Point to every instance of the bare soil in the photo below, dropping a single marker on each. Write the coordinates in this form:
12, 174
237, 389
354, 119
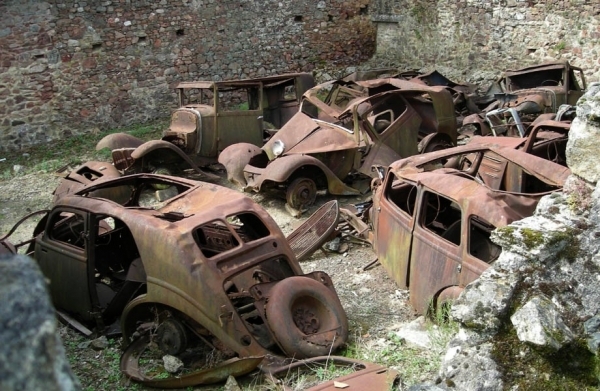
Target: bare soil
374, 304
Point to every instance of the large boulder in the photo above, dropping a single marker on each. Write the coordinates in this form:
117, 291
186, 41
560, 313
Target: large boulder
584, 135
32, 356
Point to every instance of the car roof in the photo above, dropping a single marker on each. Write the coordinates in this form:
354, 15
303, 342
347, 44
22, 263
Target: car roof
498, 208
545, 170
201, 202
266, 80
539, 67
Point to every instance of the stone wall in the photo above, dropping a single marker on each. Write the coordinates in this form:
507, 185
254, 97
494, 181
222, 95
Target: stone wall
68, 67
474, 40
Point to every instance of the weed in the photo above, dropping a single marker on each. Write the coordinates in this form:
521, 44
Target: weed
560, 46
71, 151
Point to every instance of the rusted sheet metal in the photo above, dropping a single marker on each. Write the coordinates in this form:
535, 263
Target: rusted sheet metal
210, 118
315, 231
233, 367
367, 376
375, 129
433, 214
503, 148
118, 140
87, 174
202, 263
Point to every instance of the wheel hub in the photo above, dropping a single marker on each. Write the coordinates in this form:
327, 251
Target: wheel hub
171, 337
305, 320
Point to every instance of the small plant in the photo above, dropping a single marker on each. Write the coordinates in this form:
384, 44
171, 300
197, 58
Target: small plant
560, 46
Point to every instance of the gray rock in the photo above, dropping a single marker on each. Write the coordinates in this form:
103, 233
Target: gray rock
538, 322
32, 356
231, 384
415, 333
471, 368
99, 343
583, 146
172, 364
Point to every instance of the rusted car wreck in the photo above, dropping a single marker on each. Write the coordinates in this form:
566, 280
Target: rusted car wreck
323, 145
199, 266
433, 214
211, 116
540, 92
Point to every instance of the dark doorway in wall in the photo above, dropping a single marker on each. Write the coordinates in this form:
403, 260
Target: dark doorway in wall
298, 18
179, 32
364, 10
96, 46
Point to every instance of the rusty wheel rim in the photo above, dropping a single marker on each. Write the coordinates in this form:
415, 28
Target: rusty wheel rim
301, 193
172, 337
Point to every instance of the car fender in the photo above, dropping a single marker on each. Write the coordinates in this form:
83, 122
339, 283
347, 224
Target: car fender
165, 154
282, 169
118, 141
235, 157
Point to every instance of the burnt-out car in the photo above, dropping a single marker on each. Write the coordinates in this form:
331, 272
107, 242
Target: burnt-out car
198, 265
211, 116
432, 215
521, 96
325, 144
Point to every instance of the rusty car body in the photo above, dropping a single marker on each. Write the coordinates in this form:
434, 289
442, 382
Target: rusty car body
211, 116
200, 264
433, 214
324, 144
521, 96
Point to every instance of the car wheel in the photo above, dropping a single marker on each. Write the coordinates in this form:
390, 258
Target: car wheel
171, 337
301, 193
306, 317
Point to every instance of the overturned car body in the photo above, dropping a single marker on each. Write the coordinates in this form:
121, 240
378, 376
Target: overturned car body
211, 116
324, 144
198, 265
432, 215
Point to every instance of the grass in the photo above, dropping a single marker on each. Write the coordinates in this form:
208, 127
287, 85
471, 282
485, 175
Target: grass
70, 151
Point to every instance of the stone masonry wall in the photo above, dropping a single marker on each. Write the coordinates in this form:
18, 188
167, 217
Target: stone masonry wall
68, 67
474, 40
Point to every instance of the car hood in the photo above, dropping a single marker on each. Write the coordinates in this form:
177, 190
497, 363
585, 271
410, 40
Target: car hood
306, 135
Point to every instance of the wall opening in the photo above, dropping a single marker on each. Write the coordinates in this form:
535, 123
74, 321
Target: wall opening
179, 32
96, 46
298, 18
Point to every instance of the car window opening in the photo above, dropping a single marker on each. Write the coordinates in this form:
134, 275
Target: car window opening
480, 244
441, 216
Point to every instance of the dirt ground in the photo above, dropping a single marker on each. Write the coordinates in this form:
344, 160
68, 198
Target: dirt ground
374, 304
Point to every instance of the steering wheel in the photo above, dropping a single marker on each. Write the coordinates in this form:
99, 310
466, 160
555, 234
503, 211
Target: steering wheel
550, 82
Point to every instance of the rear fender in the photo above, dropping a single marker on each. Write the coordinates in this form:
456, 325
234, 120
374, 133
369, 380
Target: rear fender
118, 141
159, 153
282, 169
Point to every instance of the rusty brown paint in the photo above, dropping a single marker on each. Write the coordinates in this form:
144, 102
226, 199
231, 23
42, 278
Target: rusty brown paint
432, 222
379, 121
205, 123
204, 255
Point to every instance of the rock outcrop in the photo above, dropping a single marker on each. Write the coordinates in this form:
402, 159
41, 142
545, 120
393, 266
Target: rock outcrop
32, 356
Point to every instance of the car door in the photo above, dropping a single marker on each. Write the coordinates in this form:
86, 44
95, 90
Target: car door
62, 254
436, 254
394, 225
239, 116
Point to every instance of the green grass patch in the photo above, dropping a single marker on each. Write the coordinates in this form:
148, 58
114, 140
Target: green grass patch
70, 151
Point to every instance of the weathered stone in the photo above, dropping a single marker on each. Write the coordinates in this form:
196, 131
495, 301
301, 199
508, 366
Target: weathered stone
231, 384
99, 343
172, 364
31, 354
584, 135
538, 322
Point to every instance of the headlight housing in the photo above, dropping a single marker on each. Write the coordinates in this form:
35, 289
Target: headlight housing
278, 147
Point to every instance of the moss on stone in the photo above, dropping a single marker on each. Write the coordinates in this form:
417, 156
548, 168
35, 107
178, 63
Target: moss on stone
532, 238
528, 367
